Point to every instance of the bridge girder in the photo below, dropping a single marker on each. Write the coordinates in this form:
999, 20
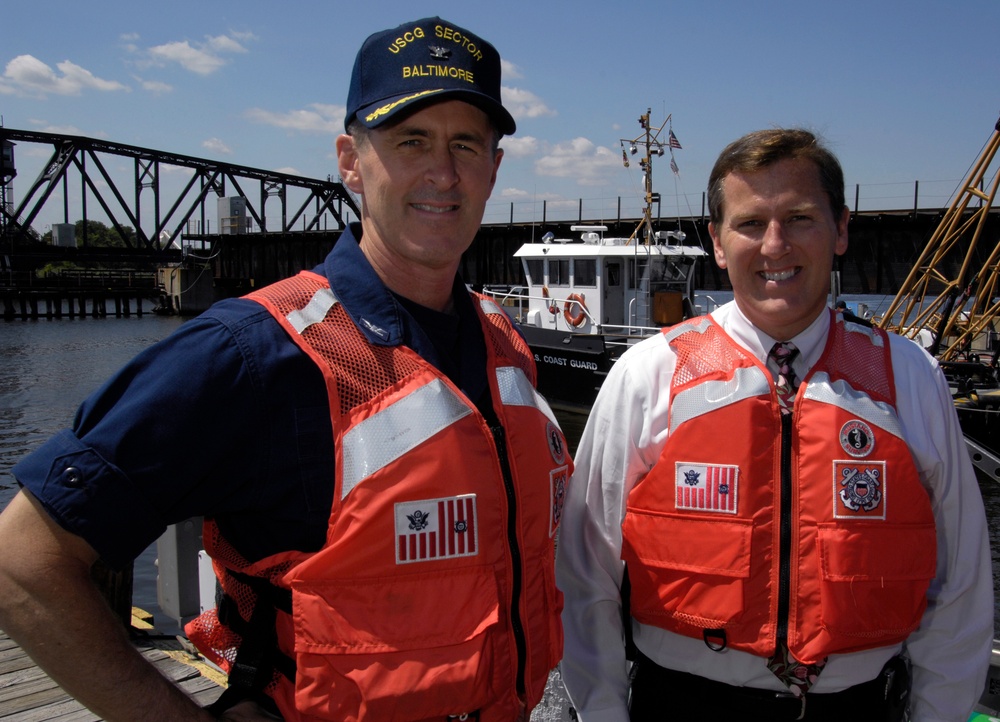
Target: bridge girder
79, 158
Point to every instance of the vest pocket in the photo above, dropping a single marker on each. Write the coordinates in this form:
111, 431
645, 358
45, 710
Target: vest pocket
694, 570
419, 645
875, 578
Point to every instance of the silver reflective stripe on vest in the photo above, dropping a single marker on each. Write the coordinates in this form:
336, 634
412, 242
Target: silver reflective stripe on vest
844, 396
389, 434
489, 306
314, 312
714, 395
700, 327
516, 390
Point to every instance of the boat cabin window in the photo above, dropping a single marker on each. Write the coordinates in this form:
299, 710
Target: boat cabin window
613, 273
534, 269
585, 272
559, 273
659, 271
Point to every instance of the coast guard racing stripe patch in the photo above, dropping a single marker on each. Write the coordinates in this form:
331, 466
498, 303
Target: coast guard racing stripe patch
436, 529
707, 487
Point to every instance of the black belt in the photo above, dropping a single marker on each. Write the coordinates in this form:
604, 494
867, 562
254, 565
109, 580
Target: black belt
659, 693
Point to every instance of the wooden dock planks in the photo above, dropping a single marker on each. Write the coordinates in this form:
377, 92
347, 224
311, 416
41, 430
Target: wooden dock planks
27, 694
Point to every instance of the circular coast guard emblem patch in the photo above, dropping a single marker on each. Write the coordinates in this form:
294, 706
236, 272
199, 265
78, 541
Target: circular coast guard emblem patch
557, 445
857, 438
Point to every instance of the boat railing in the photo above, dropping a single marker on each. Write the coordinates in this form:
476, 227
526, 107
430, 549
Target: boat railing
510, 297
516, 301
714, 304
624, 335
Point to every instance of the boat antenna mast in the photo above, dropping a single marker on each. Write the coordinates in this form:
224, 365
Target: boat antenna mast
650, 143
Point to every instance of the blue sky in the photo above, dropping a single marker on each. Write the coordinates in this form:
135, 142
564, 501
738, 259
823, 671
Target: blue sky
902, 92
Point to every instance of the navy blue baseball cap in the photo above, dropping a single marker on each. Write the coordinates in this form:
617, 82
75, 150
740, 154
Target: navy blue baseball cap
422, 62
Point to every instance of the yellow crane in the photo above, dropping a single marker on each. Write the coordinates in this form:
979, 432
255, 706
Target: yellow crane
937, 297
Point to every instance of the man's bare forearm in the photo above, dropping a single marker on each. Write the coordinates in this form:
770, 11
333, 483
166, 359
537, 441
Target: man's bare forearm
50, 606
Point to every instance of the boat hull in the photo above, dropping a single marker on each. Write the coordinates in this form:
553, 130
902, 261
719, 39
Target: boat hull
571, 366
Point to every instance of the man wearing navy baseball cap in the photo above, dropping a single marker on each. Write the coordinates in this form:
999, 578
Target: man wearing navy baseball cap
384, 484
420, 63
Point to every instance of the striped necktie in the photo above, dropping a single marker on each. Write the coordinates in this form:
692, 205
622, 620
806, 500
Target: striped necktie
795, 675
781, 356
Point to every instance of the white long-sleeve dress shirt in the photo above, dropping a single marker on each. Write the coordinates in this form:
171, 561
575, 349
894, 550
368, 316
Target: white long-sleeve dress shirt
623, 438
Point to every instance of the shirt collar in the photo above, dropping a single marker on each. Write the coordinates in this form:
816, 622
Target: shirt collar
365, 298
371, 305
810, 342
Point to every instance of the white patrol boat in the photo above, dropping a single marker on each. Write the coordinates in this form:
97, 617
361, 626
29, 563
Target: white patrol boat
588, 298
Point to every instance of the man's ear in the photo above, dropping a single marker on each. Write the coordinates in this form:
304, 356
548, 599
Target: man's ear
720, 254
348, 163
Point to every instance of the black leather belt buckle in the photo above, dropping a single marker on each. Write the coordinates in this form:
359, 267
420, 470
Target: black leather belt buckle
801, 699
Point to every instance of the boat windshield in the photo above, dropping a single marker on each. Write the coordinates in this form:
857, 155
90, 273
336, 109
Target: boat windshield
661, 272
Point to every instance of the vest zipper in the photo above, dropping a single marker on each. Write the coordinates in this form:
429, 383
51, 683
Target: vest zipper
785, 531
500, 439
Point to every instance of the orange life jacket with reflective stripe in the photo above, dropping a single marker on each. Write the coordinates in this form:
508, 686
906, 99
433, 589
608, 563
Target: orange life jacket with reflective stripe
434, 594
702, 537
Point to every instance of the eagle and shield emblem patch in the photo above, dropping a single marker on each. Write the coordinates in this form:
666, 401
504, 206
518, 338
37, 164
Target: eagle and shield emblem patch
859, 490
436, 529
707, 487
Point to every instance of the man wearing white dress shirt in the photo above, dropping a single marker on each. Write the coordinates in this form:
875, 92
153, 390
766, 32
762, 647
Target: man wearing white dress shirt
783, 499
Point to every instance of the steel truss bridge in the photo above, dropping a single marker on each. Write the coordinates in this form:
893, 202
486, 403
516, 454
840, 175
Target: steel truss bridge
149, 217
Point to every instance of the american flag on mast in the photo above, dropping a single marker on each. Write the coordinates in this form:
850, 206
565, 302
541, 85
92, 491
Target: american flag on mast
672, 140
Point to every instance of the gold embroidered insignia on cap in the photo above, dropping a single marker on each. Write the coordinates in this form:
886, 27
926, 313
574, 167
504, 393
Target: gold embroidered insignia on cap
388, 107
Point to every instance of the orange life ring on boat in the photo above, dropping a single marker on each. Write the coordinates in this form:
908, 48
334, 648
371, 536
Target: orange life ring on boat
553, 309
581, 316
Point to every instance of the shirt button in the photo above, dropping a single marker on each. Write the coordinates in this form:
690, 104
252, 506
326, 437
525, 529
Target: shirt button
72, 476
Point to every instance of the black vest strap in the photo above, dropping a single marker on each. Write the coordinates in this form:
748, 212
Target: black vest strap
258, 656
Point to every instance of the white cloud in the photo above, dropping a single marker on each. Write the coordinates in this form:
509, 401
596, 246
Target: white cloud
28, 75
224, 44
154, 86
203, 58
46, 127
580, 160
176, 170
197, 60
524, 104
216, 146
129, 41
514, 194
519, 146
509, 70
316, 118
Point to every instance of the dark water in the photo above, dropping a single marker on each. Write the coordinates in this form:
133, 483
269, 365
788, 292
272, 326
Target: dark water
47, 367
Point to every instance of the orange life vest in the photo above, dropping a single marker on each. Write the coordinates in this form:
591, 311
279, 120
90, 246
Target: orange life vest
434, 594
702, 532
